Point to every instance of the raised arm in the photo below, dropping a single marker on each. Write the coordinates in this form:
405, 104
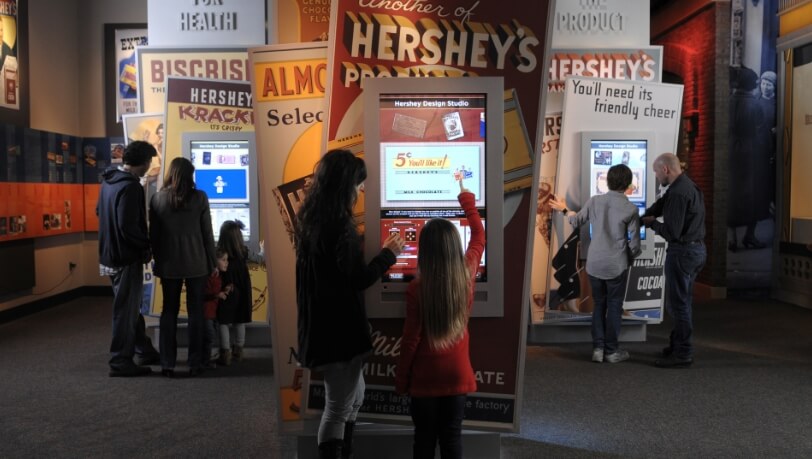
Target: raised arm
476, 246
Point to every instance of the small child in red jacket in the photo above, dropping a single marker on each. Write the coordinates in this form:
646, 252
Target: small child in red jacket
434, 366
213, 295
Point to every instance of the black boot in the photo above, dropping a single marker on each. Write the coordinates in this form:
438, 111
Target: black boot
346, 450
330, 449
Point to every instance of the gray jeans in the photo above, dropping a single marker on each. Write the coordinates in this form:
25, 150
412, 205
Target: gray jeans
343, 397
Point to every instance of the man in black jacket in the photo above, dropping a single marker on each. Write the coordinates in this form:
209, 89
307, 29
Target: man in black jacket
123, 250
683, 210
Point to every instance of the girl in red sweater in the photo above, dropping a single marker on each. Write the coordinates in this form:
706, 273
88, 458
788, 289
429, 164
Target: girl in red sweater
434, 367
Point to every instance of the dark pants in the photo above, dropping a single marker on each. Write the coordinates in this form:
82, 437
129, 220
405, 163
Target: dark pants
129, 334
608, 295
438, 418
169, 320
143, 345
682, 264
209, 337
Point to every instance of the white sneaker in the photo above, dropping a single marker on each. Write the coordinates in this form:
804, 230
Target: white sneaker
617, 356
597, 355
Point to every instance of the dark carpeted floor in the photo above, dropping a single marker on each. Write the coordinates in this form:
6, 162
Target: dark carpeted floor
749, 394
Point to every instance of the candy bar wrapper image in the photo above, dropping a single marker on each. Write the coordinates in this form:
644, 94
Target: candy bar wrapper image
409, 125
452, 125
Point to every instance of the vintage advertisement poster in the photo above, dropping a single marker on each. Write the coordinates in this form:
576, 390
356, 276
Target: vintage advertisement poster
518, 158
157, 64
309, 20
455, 39
751, 137
593, 104
289, 87
543, 223
644, 63
211, 107
126, 75
625, 54
9, 67
148, 127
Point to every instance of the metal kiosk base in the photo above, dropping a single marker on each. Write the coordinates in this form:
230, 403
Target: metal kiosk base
376, 441
580, 332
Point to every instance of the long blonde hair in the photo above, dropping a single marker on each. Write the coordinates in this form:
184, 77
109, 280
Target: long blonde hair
444, 283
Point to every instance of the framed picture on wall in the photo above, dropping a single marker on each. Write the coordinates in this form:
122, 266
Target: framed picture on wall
14, 89
120, 74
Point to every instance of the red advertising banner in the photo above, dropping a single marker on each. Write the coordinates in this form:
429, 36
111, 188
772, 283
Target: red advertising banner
377, 39
416, 39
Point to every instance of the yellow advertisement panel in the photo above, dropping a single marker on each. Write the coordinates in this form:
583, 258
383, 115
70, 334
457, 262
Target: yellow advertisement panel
211, 106
289, 83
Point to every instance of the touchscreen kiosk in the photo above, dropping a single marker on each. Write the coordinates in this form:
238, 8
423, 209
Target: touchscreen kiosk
225, 168
420, 137
602, 150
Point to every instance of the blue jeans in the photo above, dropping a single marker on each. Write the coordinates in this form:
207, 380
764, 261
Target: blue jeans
343, 396
169, 320
682, 264
128, 287
438, 418
608, 295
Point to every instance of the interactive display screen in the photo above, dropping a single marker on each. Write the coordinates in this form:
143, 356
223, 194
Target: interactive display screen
427, 143
604, 154
222, 172
417, 146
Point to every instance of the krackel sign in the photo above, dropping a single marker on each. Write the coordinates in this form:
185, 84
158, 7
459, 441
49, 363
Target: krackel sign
156, 65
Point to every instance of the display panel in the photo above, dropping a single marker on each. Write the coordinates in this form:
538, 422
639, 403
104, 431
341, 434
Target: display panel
602, 150
607, 153
418, 146
425, 174
408, 225
223, 170
419, 179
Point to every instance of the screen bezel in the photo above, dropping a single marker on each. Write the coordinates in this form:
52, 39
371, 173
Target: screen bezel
388, 300
253, 186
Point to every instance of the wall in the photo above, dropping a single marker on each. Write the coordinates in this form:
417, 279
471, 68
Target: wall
91, 56
66, 54
66, 78
693, 34
53, 36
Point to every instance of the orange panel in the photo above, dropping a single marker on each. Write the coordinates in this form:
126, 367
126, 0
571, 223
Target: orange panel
91, 196
42, 209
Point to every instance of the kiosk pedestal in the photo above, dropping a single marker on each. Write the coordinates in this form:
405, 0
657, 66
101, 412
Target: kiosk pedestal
372, 441
256, 334
579, 332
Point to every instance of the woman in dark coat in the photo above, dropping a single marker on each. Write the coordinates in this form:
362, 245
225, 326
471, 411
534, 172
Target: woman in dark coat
330, 278
182, 242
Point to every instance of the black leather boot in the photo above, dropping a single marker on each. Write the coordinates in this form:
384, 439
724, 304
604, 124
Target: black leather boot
346, 449
330, 449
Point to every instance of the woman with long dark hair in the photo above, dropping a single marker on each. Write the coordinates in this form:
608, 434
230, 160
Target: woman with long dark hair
183, 246
331, 275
